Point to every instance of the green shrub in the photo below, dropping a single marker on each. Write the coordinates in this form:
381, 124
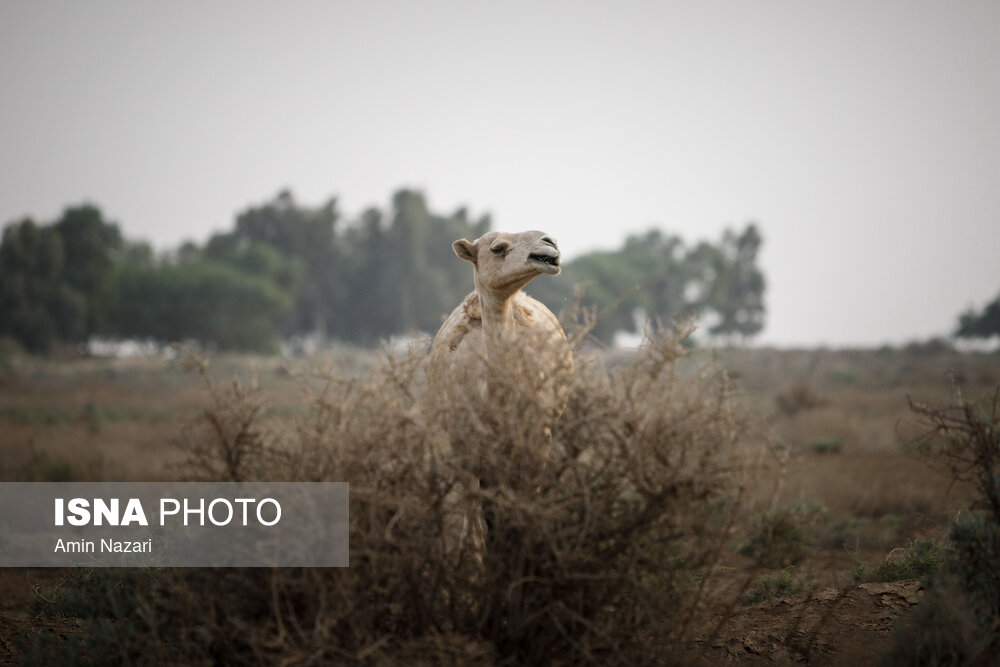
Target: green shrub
826, 445
976, 562
922, 559
770, 587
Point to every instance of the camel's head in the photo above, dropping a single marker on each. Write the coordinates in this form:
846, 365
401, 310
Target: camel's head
507, 262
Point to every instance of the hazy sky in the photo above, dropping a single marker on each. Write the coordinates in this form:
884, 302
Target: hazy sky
863, 137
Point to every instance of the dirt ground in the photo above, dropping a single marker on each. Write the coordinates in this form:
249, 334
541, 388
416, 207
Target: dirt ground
831, 626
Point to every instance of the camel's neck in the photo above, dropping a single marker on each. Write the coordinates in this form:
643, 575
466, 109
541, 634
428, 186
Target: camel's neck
498, 315
498, 330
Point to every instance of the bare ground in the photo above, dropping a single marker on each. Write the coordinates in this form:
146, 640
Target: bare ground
831, 626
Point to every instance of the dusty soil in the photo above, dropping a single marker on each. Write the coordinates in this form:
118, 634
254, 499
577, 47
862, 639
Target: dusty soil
827, 627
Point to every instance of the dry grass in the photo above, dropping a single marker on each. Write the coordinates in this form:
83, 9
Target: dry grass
845, 417
120, 419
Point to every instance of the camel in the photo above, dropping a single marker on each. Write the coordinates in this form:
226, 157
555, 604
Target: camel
501, 346
498, 327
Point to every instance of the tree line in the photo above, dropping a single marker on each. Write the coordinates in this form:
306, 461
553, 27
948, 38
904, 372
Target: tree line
286, 270
983, 323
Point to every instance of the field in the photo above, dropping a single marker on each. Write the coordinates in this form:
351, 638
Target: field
835, 494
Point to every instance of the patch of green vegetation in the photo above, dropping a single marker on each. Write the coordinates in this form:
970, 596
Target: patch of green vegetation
976, 540
776, 587
956, 622
923, 558
831, 445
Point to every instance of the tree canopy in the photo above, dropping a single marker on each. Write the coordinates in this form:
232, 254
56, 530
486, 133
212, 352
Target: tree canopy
656, 276
980, 324
55, 280
287, 269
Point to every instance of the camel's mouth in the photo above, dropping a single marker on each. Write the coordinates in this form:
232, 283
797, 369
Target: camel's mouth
548, 263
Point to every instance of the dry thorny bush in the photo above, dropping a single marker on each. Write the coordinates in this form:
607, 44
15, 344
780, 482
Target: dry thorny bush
959, 620
600, 545
966, 435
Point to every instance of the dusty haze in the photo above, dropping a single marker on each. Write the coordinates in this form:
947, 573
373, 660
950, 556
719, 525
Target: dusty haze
862, 137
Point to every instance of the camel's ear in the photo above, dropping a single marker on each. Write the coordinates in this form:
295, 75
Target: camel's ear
465, 249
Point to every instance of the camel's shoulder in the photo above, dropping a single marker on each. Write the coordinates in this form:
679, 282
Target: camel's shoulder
466, 317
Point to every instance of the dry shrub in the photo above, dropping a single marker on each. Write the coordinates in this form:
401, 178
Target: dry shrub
959, 621
798, 398
226, 442
967, 436
600, 545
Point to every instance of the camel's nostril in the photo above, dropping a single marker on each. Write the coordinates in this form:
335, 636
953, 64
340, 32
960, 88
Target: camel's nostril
551, 241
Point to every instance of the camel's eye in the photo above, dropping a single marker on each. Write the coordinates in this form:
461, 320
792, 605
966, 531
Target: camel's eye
500, 249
